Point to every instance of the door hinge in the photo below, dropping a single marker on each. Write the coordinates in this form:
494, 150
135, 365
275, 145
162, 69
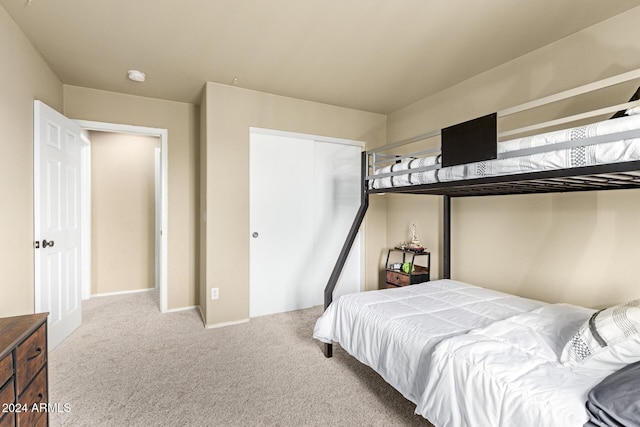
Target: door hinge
36, 244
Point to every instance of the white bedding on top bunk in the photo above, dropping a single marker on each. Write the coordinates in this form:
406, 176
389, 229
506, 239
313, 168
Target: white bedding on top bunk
394, 331
509, 374
609, 152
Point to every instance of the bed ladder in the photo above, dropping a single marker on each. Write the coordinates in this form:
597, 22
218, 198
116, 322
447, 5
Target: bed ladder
351, 237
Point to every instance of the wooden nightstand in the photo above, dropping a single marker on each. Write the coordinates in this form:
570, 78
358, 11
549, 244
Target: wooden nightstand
395, 277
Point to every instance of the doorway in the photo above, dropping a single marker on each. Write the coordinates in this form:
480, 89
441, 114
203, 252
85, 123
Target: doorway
159, 159
123, 213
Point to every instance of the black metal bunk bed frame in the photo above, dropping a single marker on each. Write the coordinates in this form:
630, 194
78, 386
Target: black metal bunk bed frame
611, 176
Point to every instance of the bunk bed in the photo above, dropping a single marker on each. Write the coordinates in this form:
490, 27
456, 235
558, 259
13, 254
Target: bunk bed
421, 338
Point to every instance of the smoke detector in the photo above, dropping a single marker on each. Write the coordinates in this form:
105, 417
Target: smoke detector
136, 76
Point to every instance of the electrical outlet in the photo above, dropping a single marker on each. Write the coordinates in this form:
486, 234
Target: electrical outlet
214, 293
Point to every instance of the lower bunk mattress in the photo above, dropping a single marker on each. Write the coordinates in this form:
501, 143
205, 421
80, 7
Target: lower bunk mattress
395, 331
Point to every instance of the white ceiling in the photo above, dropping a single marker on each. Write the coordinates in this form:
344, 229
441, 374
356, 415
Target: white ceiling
373, 55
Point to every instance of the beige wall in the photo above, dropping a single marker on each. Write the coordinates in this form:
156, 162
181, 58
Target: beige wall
552, 264
24, 76
578, 248
230, 113
122, 212
182, 122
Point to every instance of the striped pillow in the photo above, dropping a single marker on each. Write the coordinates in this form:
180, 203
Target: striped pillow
610, 339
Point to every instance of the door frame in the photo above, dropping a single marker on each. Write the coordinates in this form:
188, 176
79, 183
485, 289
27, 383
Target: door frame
87, 125
85, 212
320, 138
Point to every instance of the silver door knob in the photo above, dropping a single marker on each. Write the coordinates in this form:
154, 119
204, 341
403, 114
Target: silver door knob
254, 235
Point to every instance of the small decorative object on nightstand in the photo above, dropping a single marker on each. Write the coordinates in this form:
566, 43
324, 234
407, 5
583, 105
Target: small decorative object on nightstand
406, 272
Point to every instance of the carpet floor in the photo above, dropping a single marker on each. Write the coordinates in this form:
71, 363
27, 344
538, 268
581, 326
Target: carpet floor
129, 365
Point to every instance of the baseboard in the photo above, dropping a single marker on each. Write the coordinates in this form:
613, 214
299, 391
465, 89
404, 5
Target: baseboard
191, 307
223, 324
109, 294
218, 325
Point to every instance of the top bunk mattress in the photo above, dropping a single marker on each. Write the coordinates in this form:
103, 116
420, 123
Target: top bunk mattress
394, 331
621, 150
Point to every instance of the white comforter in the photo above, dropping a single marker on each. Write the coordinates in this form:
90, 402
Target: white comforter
509, 374
394, 331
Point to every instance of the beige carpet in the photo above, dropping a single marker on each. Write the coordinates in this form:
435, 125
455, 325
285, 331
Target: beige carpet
130, 365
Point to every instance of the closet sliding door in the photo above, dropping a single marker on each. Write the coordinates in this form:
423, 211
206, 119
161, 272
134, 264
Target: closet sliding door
304, 193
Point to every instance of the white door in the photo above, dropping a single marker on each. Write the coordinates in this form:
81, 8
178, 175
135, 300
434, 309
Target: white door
303, 197
57, 221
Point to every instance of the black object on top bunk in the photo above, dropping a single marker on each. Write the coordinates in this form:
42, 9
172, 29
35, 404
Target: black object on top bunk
471, 141
634, 97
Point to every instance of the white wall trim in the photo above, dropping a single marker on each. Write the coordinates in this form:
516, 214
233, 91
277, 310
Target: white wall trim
110, 294
176, 310
164, 147
224, 324
284, 133
85, 209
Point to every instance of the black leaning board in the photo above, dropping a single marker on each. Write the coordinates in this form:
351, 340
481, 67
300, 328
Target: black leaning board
471, 141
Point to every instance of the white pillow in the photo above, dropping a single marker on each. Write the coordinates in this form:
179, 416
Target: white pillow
609, 340
632, 111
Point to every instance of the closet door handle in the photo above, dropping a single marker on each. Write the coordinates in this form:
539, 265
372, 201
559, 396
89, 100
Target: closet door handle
46, 243
255, 235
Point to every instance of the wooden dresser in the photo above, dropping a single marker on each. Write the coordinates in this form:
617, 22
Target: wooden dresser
23, 371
